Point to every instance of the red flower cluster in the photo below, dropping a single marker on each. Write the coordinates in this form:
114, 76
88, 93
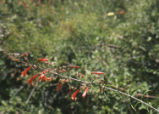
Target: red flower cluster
43, 77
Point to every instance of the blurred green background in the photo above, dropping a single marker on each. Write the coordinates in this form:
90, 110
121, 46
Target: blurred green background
118, 37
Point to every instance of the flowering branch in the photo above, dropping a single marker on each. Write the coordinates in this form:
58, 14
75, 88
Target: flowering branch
114, 90
84, 82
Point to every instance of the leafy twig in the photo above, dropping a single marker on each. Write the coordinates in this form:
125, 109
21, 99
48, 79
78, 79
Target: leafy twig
125, 94
112, 89
109, 88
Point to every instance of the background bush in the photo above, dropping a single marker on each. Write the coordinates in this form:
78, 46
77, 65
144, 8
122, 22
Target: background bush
124, 46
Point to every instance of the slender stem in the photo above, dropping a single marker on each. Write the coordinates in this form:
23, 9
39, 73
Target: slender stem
21, 87
139, 100
71, 78
30, 95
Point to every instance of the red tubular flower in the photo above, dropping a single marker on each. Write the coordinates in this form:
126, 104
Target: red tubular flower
43, 59
97, 72
75, 94
24, 73
59, 86
75, 67
30, 81
43, 78
85, 92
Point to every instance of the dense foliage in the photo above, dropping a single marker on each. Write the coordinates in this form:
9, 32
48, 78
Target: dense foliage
117, 37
